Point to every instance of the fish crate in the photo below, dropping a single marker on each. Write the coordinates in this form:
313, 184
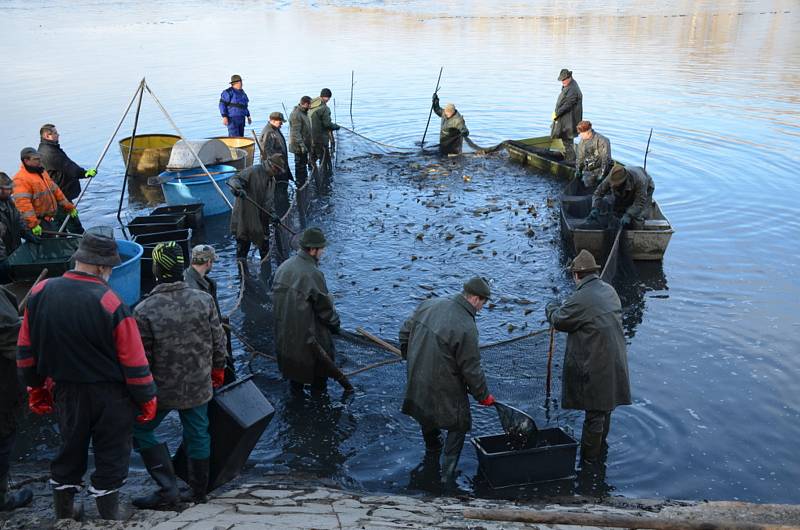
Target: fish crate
151, 224
550, 457
238, 414
149, 241
193, 213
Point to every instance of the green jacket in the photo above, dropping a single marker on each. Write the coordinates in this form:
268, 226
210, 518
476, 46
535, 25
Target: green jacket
594, 155
303, 310
596, 361
452, 132
248, 222
569, 111
299, 131
320, 117
440, 342
183, 340
634, 198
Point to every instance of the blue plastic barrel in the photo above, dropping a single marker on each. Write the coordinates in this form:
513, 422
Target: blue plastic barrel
126, 278
193, 185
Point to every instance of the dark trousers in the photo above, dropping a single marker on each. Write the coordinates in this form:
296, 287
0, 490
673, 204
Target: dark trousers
300, 168
569, 148
243, 247
6, 446
281, 197
453, 444
100, 413
236, 126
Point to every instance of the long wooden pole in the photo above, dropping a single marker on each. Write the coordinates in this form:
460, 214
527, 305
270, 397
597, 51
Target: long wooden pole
550, 358
612, 521
647, 149
334, 370
422, 143
379, 341
352, 84
24, 301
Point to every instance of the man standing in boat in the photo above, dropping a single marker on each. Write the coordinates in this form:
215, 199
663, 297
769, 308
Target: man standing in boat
440, 343
453, 129
625, 196
321, 128
567, 114
595, 376
305, 315
233, 107
300, 139
594, 155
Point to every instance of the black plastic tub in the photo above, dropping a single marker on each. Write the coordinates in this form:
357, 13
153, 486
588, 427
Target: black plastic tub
552, 457
193, 213
237, 417
151, 224
149, 241
55, 254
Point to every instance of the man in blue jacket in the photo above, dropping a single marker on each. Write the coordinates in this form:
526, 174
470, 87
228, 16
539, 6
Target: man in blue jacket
233, 107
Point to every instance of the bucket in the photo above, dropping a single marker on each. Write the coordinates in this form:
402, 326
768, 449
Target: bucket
126, 278
553, 458
193, 186
240, 142
237, 416
150, 153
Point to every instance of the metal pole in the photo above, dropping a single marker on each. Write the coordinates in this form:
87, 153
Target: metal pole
105, 149
647, 149
191, 148
128, 161
422, 143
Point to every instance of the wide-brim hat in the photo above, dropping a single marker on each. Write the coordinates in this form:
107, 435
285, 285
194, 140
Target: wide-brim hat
617, 175
583, 262
313, 238
564, 74
97, 249
236, 78
478, 287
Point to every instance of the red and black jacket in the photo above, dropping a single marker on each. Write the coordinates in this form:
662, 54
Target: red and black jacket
77, 330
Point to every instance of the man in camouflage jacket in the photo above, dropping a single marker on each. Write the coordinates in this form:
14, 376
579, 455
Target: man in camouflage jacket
594, 155
185, 344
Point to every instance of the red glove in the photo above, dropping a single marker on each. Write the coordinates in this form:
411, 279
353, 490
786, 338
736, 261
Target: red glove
40, 400
488, 402
217, 377
148, 409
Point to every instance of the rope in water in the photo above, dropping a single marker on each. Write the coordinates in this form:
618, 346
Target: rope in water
375, 141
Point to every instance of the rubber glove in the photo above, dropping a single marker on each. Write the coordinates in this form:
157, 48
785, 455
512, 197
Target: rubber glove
555, 116
217, 377
90, 173
435, 97
238, 192
73, 213
40, 400
30, 238
36, 230
488, 402
626, 220
148, 410
593, 215
249, 120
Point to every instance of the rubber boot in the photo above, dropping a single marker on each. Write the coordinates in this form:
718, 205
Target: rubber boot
64, 504
591, 446
159, 465
108, 506
198, 479
18, 499
606, 429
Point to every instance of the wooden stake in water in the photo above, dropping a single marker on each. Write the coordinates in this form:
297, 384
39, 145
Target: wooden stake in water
352, 84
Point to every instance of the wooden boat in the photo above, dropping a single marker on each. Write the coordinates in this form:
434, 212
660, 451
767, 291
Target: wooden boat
542, 153
649, 243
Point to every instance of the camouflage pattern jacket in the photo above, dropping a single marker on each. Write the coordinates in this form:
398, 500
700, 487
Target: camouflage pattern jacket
594, 155
183, 339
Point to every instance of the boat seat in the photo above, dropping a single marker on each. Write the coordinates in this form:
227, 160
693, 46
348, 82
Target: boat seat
656, 224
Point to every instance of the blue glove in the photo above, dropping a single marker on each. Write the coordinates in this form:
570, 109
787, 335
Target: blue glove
593, 215
626, 220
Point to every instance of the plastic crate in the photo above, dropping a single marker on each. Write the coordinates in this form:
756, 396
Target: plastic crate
193, 213
55, 254
151, 224
149, 241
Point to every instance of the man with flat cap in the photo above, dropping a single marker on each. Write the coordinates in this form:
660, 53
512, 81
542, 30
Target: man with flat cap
233, 107
595, 377
625, 196
304, 314
567, 114
440, 343
453, 130
274, 144
96, 359
594, 155
319, 114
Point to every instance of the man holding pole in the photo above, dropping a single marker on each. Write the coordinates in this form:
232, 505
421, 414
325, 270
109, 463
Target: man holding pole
300, 139
321, 128
595, 376
440, 342
567, 114
233, 107
453, 130
305, 316
274, 143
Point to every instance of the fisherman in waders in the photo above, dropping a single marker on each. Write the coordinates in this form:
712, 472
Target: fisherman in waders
12, 396
594, 160
12, 229
96, 360
624, 198
321, 128
185, 343
274, 143
440, 342
300, 139
567, 114
39, 200
253, 210
454, 129
595, 377
233, 107
304, 315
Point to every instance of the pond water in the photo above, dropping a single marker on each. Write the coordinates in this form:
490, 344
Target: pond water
713, 331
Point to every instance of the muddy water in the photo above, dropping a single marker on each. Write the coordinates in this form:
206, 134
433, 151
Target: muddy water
713, 331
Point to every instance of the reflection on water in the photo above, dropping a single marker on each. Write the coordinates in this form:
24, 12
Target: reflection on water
710, 356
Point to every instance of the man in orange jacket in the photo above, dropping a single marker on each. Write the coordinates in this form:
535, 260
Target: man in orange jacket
36, 196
